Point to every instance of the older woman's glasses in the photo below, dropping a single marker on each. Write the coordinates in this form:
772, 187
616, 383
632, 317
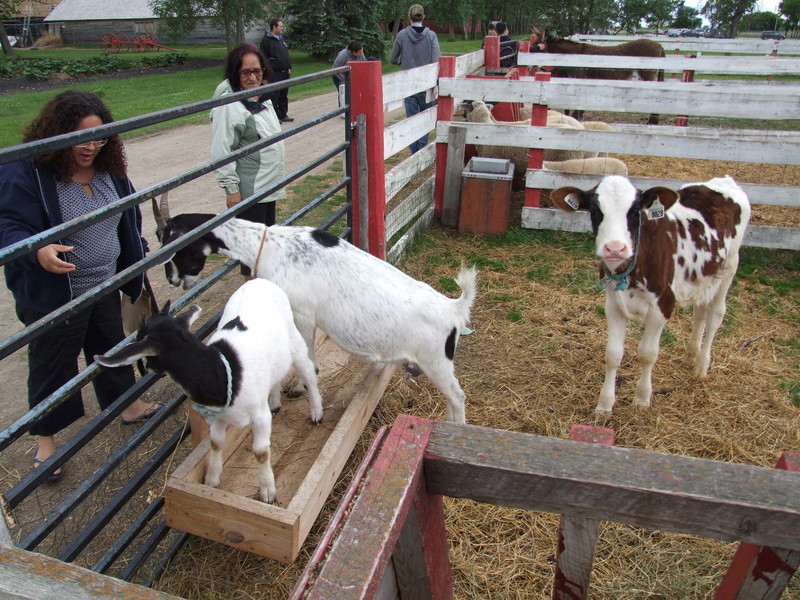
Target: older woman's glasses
92, 144
247, 73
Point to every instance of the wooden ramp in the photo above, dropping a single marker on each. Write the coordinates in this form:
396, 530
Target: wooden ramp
306, 459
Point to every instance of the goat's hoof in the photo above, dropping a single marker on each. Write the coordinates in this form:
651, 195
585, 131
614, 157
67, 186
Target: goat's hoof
316, 420
275, 411
294, 392
268, 496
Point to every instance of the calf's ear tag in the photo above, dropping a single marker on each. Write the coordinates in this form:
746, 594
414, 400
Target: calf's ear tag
656, 210
572, 200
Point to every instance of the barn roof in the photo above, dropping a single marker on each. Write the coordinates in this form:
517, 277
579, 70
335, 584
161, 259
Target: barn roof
101, 10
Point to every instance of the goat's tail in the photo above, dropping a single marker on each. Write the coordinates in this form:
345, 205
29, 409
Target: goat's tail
467, 280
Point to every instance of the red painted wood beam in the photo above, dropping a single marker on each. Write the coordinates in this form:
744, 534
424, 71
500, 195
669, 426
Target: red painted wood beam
758, 572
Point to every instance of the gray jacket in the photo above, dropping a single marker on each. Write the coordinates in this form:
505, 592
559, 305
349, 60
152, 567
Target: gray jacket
414, 47
344, 57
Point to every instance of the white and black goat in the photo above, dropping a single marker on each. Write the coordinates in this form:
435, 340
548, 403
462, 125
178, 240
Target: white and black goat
236, 378
367, 306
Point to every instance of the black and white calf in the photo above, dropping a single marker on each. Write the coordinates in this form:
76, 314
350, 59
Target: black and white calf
236, 378
659, 248
367, 306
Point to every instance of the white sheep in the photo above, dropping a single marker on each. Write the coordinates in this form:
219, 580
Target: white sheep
566, 161
367, 306
235, 380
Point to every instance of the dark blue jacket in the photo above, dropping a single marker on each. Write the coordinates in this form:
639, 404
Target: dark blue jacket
29, 205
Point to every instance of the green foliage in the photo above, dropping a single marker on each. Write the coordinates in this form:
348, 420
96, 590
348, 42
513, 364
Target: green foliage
9, 8
514, 316
687, 17
323, 28
47, 68
791, 10
759, 21
726, 14
180, 17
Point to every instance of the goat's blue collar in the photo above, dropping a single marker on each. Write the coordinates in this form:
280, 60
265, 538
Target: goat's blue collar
623, 279
209, 413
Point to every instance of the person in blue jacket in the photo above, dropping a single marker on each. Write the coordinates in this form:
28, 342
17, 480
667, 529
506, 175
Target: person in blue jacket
39, 193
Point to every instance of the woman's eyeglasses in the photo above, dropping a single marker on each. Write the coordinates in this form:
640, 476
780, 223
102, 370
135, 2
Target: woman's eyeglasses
92, 144
247, 73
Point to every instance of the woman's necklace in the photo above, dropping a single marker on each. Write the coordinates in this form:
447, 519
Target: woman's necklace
87, 187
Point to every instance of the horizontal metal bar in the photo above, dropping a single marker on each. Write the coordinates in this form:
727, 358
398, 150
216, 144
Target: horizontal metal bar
316, 202
121, 498
31, 149
121, 543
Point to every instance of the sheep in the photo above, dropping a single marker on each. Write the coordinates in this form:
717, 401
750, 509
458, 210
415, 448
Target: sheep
590, 166
567, 161
367, 306
235, 380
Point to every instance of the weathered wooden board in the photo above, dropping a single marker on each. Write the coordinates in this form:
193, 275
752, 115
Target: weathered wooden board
777, 102
25, 575
306, 459
646, 489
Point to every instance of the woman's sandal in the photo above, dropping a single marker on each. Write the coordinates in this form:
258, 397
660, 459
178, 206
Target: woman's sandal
150, 412
52, 477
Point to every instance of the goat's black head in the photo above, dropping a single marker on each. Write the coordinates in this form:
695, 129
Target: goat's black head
186, 264
161, 334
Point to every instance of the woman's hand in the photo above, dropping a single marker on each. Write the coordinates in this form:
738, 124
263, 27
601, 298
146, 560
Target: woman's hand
233, 199
47, 256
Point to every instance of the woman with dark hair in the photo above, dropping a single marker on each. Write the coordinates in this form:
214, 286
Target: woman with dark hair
38, 194
241, 123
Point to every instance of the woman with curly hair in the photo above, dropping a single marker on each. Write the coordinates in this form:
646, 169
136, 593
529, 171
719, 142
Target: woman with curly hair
38, 194
241, 123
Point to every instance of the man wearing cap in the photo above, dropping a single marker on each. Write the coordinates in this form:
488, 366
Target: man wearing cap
415, 46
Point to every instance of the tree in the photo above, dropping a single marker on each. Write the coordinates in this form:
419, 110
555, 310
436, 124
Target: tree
324, 27
791, 10
8, 10
759, 21
181, 16
726, 14
662, 12
687, 17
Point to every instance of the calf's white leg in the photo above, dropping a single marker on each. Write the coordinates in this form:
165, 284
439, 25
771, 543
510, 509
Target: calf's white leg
616, 324
648, 353
442, 374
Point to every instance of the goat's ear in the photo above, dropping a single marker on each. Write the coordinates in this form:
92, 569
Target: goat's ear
666, 196
569, 199
127, 355
190, 316
164, 312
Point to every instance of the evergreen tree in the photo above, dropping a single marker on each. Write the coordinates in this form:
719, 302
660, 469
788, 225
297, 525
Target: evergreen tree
322, 28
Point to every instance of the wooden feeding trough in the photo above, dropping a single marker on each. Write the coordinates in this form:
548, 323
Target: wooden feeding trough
387, 540
306, 459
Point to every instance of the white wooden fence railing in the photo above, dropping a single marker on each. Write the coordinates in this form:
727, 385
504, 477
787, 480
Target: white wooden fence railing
691, 44
728, 100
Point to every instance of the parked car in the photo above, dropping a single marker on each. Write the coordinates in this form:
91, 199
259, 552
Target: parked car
692, 33
772, 35
674, 32
715, 33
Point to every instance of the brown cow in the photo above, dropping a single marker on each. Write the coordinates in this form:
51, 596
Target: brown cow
640, 47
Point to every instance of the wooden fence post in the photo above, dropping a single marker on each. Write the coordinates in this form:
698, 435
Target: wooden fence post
451, 200
686, 77
491, 52
757, 572
536, 155
366, 97
577, 536
522, 46
444, 112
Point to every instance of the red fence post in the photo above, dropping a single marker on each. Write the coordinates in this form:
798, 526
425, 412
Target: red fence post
522, 46
577, 536
366, 97
758, 571
491, 52
536, 155
686, 77
444, 112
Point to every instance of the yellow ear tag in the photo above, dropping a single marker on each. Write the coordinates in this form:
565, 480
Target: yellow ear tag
656, 210
572, 201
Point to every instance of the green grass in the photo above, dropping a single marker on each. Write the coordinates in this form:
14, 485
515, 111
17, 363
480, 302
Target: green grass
149, 93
